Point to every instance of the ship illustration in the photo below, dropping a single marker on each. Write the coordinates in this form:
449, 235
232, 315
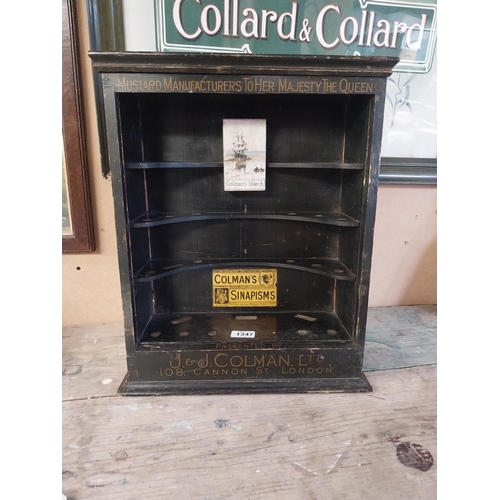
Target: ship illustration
239, 152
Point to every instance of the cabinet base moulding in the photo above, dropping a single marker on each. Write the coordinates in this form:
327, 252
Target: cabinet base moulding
245, 386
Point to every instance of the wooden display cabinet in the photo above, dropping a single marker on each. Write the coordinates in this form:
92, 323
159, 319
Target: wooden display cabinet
244, 291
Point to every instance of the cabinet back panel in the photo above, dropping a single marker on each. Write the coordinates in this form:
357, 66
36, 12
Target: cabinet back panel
188, 127
192, 292
247, 240
188, 191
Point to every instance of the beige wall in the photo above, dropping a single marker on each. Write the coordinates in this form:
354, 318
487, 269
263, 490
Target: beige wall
90, 283
404, 254
405, 249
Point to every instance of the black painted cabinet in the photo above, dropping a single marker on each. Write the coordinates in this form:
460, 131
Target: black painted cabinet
244, 291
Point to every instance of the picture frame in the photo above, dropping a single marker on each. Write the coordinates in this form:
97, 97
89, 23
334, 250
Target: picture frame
77, 233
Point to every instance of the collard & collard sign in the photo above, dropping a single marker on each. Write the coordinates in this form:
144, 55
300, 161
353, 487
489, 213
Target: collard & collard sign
400, 28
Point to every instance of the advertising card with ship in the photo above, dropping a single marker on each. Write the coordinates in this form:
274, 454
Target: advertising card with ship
244, 143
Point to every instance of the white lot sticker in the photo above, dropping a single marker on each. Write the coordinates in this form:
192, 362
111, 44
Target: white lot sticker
242, 334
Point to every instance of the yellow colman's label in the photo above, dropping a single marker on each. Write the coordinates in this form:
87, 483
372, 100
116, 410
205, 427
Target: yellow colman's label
244, 287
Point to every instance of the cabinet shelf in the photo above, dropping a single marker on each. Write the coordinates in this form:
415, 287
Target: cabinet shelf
334, 219
327, 165
296, 329
218, 164
161, 268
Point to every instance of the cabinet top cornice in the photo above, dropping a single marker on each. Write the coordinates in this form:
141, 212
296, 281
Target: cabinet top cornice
227, 64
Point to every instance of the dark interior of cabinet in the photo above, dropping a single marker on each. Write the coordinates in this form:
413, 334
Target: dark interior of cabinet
182, 224
188, 127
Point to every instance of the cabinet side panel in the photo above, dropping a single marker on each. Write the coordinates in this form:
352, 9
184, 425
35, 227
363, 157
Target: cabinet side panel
374, 141
114, 113
143, 300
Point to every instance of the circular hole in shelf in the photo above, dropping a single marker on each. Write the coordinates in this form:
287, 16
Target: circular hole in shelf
290, 261
303, 332
212, 333
198, 261
155, 334
315, 265
332, 332
183, 334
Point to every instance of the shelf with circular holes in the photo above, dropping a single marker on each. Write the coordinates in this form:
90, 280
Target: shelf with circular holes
161, 268
267, 328
159, 219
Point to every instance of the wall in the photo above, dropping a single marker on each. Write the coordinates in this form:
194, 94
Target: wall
404, 255
91, 286
404, 263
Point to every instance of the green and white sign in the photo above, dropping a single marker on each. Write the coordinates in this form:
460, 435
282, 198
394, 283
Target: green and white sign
404, 29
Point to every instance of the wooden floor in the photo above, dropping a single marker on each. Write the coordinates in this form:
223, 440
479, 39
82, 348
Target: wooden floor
379, 445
